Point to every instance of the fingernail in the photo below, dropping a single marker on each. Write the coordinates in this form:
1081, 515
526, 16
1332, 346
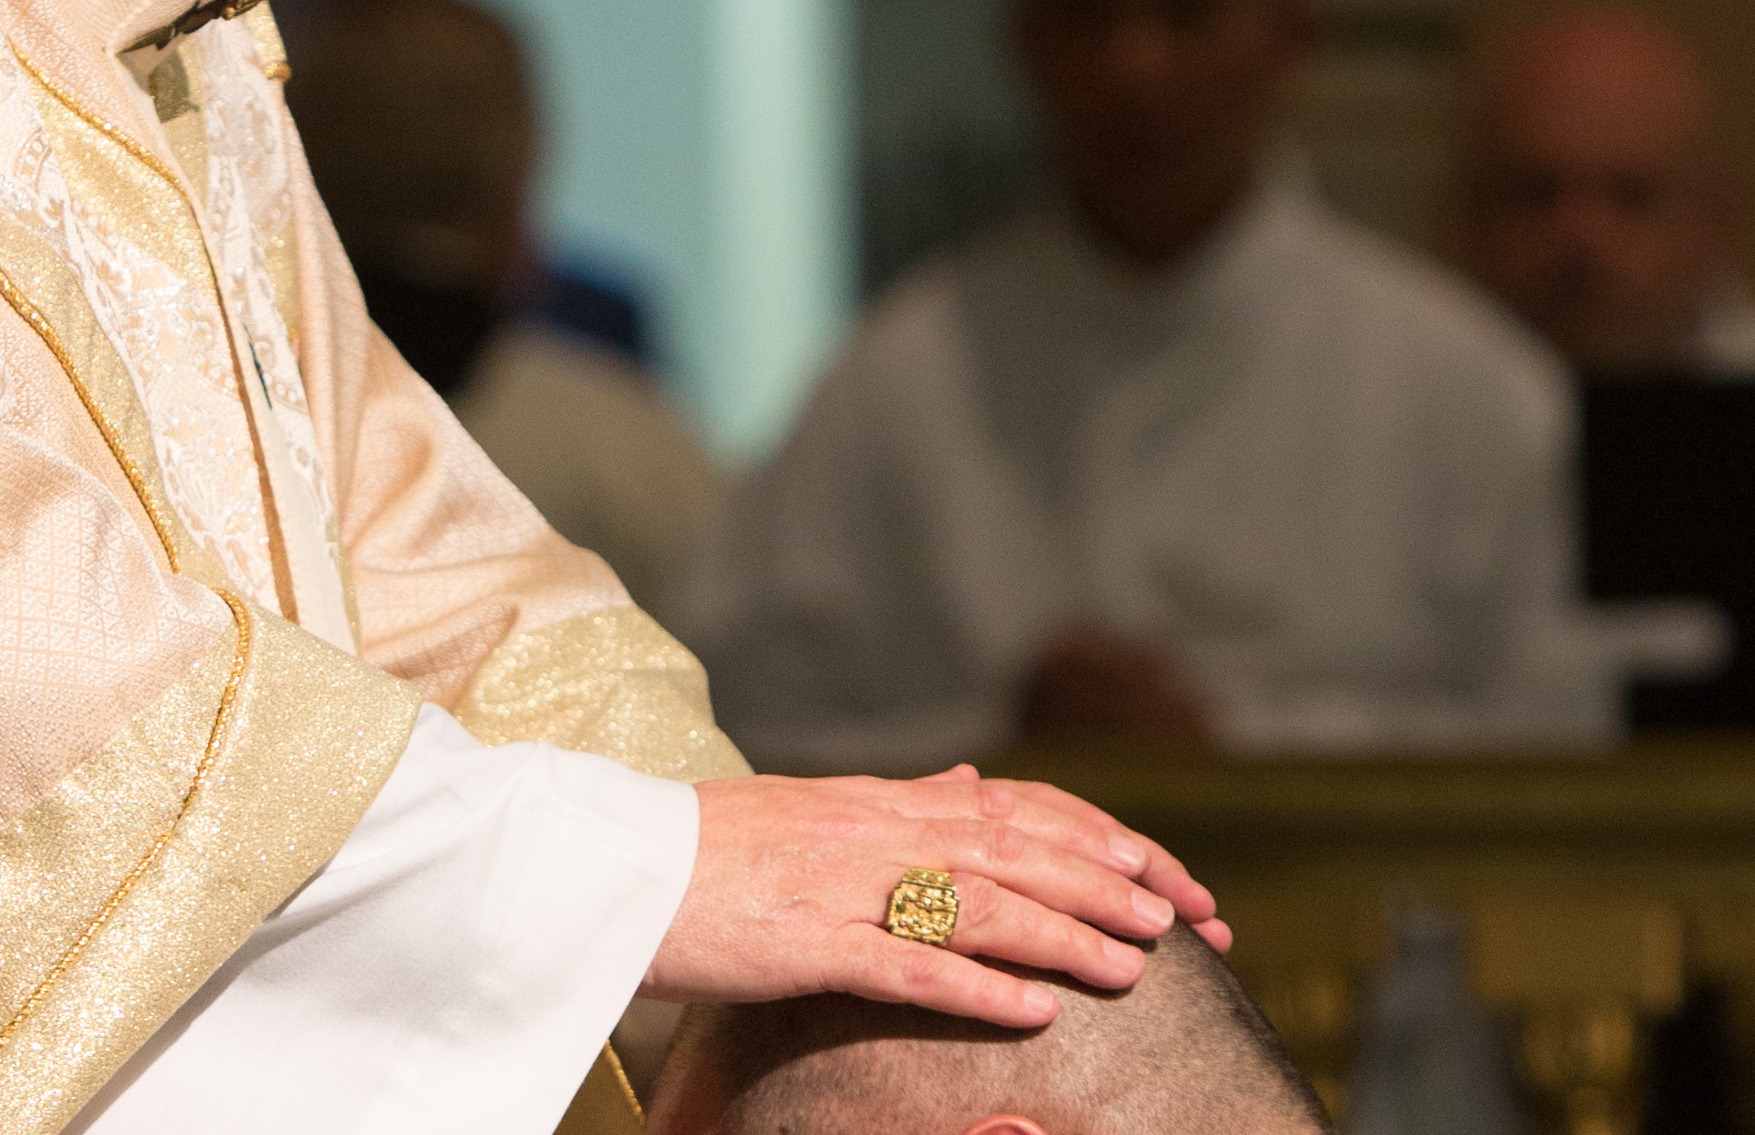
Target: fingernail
1038, 1000
1128, 852
1155, 909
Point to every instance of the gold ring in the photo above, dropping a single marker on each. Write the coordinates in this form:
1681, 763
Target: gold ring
923, 907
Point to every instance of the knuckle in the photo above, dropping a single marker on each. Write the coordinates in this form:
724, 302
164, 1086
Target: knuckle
870, 785
978, 901
918, 967
1004, 845
856, 963
996, 799
990, 992
1076, 939
838, 825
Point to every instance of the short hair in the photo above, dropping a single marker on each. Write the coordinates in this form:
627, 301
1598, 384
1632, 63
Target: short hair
1185, 1052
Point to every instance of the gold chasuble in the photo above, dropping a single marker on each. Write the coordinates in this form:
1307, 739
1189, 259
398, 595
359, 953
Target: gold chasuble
240, 542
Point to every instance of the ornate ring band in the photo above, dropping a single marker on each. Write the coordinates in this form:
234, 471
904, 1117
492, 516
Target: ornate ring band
923, 907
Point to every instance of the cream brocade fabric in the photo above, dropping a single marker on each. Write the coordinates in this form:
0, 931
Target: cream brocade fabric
211, 463
152, 293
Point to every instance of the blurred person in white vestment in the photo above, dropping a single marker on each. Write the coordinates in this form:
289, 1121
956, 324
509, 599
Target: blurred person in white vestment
1596, 197
1178, 454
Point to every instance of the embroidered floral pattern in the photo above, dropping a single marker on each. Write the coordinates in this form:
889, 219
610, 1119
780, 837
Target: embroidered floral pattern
161, 315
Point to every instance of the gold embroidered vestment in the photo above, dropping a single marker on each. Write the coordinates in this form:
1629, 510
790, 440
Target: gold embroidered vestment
240, 542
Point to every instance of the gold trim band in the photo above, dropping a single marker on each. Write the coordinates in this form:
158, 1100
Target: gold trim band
221, 722
161, 524
612, 1058
38, 322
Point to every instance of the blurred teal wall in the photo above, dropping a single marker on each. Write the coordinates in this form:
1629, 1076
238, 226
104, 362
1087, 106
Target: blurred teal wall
704, 150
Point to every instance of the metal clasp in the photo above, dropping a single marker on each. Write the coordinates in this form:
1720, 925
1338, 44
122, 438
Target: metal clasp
193, 21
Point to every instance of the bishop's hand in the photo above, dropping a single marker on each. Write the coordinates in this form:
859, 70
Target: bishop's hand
793, 879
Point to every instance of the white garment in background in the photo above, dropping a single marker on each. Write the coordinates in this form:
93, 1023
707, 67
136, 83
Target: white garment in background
454, 970
1321, 474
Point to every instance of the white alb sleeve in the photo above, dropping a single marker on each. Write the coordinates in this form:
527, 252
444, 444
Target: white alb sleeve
454, 969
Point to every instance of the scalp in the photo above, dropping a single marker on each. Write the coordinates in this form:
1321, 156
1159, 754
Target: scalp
1183, 1053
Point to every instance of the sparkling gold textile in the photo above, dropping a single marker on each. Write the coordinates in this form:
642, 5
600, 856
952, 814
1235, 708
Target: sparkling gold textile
310, 737
612, 683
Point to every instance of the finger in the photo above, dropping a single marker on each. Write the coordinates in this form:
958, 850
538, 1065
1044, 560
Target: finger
1048, 796
1050, 876
993, 922
1113, 846
1104, 843
962, 774
1162, 872
1056, 816
879, 966
1063, 820
1217, 934
1165, 875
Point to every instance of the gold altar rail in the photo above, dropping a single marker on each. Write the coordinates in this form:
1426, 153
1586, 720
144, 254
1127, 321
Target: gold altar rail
1689, 789
1593, 889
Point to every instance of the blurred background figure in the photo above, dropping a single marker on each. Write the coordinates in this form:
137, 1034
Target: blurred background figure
1177, 454
422, 132
1598, 199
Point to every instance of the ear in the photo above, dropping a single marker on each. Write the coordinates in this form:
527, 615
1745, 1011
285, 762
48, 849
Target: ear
1005, 1125
689, 1099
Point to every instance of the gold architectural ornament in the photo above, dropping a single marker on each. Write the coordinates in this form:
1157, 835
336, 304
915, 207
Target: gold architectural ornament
923, 907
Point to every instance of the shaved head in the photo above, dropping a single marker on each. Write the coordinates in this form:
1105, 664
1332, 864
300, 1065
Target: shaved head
1183, 1053
1599, 74
1596, 203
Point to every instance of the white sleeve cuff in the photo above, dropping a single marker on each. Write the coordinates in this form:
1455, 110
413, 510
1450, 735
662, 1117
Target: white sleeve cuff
454, 969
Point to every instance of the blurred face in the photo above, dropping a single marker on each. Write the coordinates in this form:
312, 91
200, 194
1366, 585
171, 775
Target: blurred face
1159, 107
1593, 210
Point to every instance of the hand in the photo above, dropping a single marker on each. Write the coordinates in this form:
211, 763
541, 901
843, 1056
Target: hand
793, 879
1090, 683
